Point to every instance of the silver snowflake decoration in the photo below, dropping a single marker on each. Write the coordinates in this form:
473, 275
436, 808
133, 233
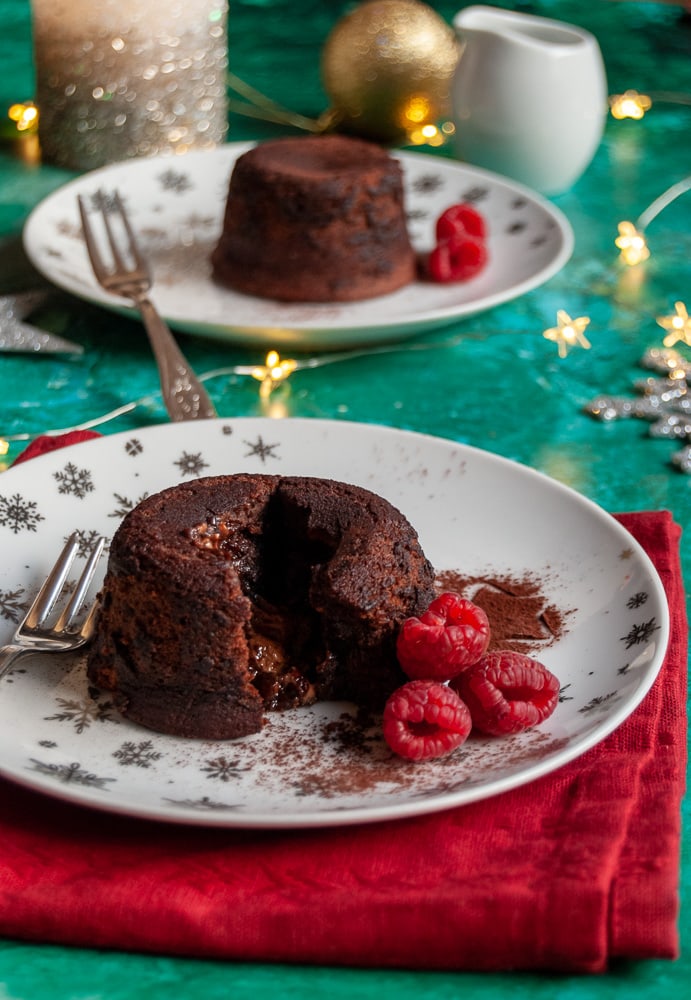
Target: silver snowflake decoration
22, 337
664, 401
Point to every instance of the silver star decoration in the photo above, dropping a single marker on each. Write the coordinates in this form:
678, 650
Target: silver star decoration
665, 402
18, 336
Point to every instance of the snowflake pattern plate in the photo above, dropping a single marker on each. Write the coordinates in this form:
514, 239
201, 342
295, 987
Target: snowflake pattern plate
177, 210
325, 764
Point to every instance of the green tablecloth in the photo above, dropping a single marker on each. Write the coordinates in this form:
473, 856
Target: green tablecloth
500, 386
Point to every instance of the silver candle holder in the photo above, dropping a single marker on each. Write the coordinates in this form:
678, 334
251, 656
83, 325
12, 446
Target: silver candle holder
124, 78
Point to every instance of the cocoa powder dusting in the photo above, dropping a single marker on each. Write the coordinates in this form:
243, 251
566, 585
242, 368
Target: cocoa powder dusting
520, 615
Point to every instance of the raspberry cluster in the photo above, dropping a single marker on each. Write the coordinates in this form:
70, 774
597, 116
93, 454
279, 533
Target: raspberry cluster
461, 248
457, 685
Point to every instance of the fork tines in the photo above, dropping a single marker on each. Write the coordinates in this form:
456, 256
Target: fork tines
125, 253
53, 587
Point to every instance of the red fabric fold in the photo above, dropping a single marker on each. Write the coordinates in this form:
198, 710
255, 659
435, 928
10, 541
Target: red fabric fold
51, 442
567, 873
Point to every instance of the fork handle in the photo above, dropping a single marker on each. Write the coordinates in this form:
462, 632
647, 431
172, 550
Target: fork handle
8, 654
184, 396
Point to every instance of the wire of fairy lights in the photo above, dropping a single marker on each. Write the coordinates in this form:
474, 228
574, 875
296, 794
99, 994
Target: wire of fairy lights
663, 400
631, 241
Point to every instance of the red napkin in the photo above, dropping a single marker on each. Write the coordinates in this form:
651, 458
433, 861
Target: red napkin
50, 442
567, 873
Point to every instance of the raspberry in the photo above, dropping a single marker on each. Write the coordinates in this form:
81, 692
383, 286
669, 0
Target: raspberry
423, 720
507, 692
458, 258
460, 220
447, 638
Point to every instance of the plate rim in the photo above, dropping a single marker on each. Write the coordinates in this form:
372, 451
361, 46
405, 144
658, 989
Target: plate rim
318, 336
364, 814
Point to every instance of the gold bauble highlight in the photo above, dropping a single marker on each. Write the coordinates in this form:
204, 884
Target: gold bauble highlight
387, 69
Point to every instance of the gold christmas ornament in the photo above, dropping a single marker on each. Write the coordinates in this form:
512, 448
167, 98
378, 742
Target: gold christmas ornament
387, 69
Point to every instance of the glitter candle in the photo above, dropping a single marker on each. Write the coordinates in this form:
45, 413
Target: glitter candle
124, 78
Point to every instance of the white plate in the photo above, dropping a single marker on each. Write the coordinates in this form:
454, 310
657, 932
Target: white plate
177, 209
316, 766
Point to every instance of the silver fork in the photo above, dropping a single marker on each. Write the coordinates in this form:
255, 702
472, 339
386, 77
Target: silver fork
34, 634
128, 275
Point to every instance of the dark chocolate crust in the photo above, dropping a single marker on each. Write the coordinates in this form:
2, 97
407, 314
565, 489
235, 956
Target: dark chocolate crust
315, 219
232, 595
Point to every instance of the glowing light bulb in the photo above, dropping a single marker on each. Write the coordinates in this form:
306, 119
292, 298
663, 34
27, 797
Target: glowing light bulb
417, 110
678, 326
568, 333
630, 104
632, 244
274, 371
24, 115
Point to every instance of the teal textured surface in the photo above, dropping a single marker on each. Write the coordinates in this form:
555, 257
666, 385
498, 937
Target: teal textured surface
491, 381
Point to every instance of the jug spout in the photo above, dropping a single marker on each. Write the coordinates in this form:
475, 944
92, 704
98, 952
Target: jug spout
518, 29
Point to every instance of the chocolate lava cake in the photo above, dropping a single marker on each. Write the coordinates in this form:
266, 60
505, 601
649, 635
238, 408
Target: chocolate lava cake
234, 595
315, 219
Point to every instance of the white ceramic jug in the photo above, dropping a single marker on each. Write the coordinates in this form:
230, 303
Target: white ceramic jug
529, 96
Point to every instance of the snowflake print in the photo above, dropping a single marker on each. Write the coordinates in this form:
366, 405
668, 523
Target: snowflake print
191, 465
223, 769
261, 449
74, 480
12, 607
140, 754
19, 514
515, 227
416, 215
637, 601
312, 784
86, 543
563, 696
200, 222
134, 447
104, 201
64, 228
82, 713
640, 633
227, 430
125, 505
48, 744
173, 180
203, 803
599, 702
474, 194
427, 183
70, 774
